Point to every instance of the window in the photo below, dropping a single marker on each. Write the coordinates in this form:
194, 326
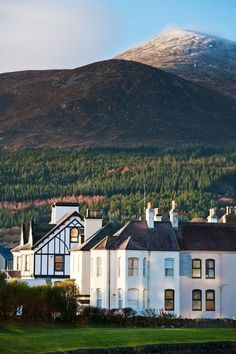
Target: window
99, 266
197, 300
210, 300
133, 298
169, 300
74, 233
144, 267
196, 268
119, 266
59, 263
99, 298
169, 267
210, 268
132, 267
120, 299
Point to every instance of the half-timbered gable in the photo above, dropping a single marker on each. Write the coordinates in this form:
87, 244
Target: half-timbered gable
52, 252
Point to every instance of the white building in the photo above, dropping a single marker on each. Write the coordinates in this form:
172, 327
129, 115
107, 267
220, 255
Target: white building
136, 266
186, 269
44, 251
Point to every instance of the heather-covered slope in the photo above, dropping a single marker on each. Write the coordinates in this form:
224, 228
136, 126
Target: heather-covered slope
111, 103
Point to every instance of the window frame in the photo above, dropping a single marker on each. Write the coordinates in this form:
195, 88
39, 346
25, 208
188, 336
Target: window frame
119, 267
195, 300
133, 269
74, 239
210, 268
61, 262
196, 268
99, 298
172, 300
169, 269
207, 301
131, 300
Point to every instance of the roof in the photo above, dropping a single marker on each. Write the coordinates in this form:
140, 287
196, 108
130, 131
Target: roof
40, 230
55, 226
135, 235
160, 238
6, 253
66, 204
207, 237
95, 239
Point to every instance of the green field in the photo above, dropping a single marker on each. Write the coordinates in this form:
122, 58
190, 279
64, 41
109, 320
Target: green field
41, 339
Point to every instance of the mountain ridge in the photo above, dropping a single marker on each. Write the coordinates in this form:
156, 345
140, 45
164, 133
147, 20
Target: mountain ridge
204, 59
110, 103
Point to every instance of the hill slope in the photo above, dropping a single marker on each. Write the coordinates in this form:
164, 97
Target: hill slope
204, 59
115, 102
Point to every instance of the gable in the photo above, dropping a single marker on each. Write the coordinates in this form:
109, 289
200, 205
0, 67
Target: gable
59, 237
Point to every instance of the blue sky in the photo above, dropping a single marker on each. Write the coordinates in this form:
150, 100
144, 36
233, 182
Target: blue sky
44, 34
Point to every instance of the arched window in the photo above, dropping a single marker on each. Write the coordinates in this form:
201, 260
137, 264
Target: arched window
169, 300
169, 267
133, 298
197, 300
196, 268
120, 299
144, 267
210, 300
99, 298
99, 266
74, 233
133, 265
210, 268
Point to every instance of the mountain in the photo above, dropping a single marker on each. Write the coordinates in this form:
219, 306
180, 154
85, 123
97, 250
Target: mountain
111, 103
201, 58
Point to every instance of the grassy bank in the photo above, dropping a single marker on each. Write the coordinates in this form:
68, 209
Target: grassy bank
17, 338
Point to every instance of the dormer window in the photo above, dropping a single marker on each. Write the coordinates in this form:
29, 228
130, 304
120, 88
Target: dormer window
74, 233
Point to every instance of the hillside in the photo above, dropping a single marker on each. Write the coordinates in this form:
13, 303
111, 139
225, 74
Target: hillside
201, 58
110, 103
112, 180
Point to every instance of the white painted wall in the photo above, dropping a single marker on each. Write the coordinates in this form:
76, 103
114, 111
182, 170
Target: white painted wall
224, 284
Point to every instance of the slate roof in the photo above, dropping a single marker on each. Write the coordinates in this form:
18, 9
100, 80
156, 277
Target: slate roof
160, 238
135, 235
92, 241
6, 253
207, 237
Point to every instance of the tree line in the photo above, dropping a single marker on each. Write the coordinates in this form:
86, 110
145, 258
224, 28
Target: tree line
195, 176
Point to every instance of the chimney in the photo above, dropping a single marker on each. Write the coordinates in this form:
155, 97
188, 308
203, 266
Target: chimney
150, 216
157, 214
30, 239
22, 235
212, 218
60, 209
174, 215
93, 222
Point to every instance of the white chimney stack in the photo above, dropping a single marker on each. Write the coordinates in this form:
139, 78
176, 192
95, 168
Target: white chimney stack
92, 223
157, 214
150, 216
174, 215
212, 218
60, 209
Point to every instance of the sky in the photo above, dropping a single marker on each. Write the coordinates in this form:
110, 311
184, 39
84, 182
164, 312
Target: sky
55, 34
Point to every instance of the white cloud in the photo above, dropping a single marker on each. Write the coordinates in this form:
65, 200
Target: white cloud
44, 34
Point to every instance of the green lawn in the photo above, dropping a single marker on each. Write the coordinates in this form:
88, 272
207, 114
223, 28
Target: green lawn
17, 338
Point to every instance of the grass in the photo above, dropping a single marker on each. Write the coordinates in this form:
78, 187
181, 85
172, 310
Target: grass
27, 338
